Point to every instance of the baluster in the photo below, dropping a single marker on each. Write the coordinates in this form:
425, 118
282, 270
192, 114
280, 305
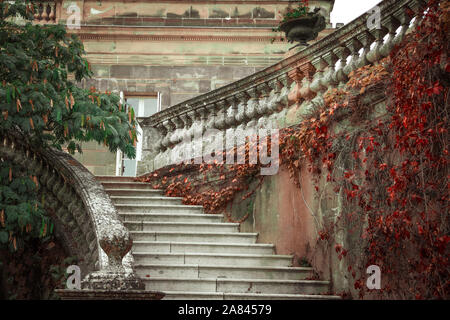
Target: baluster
417, 6
306, 73
45, 8
354, 45
186, 141
52, 14
202, 115
366, 39
328, 81
284, 82
176, 137
319, 64
342, 52
220, 115
229, 113
234, 102
264, 90
37, 13
391, 23
273, 104
169, 126
375, 55
405, 19
252, 103
195, 134
243, 98
162, 132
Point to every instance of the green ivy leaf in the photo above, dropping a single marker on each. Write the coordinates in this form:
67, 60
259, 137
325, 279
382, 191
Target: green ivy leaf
4, 237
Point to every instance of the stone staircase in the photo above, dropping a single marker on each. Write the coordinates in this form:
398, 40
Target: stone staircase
188, 254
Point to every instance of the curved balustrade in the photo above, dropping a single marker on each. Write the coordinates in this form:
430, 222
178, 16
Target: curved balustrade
262, 100
84, 215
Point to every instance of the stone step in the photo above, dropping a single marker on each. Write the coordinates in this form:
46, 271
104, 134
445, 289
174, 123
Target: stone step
237, 286
146, 200
221, 272
218, 258
200, 247
115, 179
187, 295
159, 208
182, 226
134, 192
172, 217
127, 185
211, 237
265, 296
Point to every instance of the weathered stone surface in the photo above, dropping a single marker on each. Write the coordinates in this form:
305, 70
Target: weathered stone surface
83, 213
111, 280
204, 86
123, 72
109, 295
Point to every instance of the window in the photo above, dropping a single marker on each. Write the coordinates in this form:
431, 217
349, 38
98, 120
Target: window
144, 105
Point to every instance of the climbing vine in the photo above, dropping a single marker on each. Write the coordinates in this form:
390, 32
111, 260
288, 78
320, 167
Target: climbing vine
380, 143
391, 165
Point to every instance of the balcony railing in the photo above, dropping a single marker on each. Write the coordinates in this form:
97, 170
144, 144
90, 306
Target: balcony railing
46, 11
262, 100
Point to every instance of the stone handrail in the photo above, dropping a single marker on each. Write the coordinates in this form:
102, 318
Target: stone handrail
83, 213
261, 100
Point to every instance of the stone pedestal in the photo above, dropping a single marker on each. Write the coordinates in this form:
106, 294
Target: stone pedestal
110, 285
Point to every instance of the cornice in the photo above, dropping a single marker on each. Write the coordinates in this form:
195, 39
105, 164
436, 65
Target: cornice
199, 38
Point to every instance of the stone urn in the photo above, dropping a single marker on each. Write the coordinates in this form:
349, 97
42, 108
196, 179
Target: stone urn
305, 28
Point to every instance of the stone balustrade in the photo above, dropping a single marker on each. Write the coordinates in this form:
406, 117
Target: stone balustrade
85, 219
46, 11
262, 100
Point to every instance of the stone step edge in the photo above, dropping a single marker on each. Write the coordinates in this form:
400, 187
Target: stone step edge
171, 214
267, 245
128, 182
314, 282
232, 234
286, 269
226, 255
135, 190
258, 296
171, 206
145, 198
201, 224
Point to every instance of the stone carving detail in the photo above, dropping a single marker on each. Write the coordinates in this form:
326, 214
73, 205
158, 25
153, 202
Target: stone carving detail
84, 216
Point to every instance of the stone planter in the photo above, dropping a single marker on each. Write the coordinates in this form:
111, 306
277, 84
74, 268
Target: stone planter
304, 29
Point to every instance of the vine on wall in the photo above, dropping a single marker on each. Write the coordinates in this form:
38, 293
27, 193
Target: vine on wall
390, 165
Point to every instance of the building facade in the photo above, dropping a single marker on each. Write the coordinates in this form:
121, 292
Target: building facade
160, 53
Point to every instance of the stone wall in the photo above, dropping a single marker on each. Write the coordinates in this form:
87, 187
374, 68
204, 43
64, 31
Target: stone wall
174, 83
97, 159
179, 48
